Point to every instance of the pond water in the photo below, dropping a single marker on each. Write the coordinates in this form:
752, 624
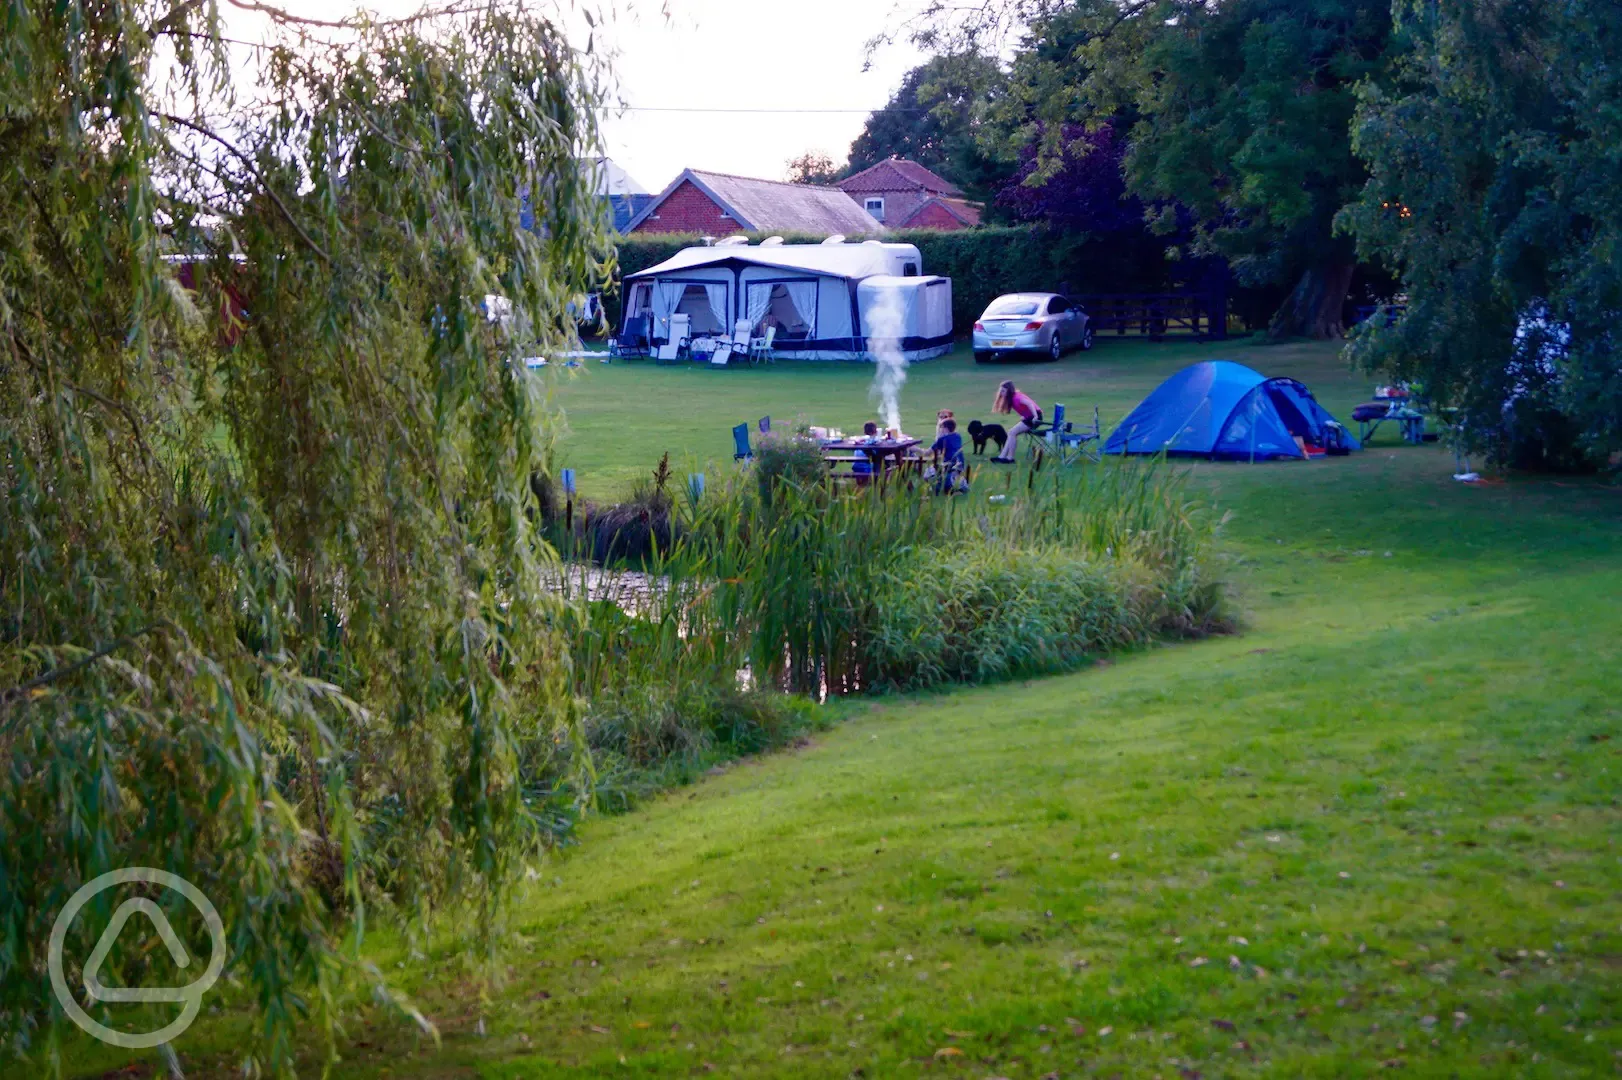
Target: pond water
639, 594
633, 591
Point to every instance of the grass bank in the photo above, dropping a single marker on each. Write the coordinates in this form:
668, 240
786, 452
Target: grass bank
1375, 834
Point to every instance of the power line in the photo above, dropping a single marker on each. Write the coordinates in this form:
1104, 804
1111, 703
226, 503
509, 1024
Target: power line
696, 109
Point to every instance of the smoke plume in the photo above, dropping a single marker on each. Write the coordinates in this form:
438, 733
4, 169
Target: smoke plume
886, 325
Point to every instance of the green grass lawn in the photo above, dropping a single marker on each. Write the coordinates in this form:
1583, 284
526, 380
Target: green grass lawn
1375, 833
621, 416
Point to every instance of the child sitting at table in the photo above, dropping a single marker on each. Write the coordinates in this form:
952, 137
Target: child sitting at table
862, 468
950, 444
950, 448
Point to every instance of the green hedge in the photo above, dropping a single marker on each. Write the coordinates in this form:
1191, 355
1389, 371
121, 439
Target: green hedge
982, 263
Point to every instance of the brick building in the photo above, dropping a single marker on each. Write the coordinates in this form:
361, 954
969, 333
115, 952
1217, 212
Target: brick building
904, 195
716, 204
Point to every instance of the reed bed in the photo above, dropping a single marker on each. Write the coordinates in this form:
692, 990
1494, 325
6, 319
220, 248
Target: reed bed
773, 589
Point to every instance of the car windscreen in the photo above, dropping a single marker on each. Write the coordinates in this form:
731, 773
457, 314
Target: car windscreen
1016, 305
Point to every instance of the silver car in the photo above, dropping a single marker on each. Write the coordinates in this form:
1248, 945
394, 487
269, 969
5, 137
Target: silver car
1042, 323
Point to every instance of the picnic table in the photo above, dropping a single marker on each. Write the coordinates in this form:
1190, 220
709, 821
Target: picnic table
880, 451
1409, 420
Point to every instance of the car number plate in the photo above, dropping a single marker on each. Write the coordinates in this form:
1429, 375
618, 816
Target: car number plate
1002, 343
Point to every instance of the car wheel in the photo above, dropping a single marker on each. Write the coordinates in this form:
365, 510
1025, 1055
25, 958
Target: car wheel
981, 356
1087, 339
1055, 347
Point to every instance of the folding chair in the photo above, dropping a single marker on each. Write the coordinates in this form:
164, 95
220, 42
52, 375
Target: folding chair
671, 349
722, 356
1041, 437
765, 425
632, 339
760, 348
1061, 435
1075, 444
740, 444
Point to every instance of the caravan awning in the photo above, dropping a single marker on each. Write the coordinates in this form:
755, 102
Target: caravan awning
841, 260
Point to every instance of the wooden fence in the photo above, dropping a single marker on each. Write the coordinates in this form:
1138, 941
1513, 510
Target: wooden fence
1203, 316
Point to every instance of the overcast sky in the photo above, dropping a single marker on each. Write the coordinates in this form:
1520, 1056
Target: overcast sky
722, 54
749, 54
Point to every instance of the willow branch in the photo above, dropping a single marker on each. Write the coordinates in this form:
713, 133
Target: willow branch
241, 156
21, 690
287, 18
176, 16
22, 349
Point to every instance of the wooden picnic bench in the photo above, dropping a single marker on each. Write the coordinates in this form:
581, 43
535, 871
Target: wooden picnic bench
886, 455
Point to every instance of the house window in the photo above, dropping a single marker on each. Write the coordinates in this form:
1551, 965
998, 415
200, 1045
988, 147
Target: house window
875, 207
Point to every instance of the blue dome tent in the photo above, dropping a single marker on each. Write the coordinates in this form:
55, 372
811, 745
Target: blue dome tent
1220, 409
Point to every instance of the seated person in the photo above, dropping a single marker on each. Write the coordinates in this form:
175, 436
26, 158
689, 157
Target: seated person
950, 449
950, 444
865, 466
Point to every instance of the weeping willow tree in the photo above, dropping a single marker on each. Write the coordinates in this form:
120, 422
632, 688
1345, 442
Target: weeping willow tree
271, 606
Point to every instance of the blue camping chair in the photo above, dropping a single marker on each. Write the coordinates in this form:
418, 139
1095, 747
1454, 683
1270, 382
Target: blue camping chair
1043, 428
632, 339
740, 444
765, 425
1075, 444
1061, 435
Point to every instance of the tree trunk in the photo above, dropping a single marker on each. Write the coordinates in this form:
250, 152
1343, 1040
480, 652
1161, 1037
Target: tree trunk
1313, 308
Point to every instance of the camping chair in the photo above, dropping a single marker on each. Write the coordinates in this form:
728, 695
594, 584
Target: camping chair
1075, 444
760, 348
740, 444
1062, 436
765, 425
671, 349
632, 339
1043, 431
736, 345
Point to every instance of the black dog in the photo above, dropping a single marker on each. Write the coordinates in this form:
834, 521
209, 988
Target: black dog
983, 433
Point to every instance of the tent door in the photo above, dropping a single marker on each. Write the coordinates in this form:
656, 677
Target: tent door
1290, 411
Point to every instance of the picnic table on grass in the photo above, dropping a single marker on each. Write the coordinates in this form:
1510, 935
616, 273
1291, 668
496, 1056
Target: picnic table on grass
882, 452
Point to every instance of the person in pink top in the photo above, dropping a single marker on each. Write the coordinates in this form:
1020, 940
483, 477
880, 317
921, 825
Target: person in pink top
1011, 400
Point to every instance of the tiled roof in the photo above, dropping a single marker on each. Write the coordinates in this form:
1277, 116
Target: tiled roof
964, 211
776, 206
898, 174
626, 207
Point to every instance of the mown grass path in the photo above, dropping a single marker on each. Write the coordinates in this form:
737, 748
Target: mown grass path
1376, 833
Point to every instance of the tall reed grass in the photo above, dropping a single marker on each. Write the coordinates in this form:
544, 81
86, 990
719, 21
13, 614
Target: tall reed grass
711, 639
772, 587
